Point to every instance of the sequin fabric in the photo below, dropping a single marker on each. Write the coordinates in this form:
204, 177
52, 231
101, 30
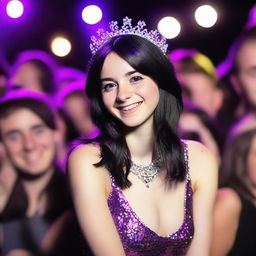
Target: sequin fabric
137, 238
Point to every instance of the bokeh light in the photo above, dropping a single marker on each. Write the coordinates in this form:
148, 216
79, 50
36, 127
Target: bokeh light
91, 14
169, 27
206, 16
14, 9
60, 46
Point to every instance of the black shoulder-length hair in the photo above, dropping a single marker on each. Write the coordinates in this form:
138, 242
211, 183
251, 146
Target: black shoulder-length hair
147, 59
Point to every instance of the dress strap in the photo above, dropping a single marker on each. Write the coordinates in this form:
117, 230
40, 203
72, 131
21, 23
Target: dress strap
186, 160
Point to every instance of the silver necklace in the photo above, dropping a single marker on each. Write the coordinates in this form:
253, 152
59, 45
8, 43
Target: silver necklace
146, 173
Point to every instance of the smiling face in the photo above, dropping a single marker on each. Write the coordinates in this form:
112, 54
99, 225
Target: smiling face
29, 142
127, 94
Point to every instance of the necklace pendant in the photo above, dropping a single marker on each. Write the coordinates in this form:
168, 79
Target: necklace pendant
146, 173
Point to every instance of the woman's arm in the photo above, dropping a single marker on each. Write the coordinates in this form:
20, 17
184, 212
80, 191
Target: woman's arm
226, 219
89, 189
203, 171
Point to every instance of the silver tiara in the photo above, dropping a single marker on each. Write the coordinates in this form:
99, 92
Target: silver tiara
127, 29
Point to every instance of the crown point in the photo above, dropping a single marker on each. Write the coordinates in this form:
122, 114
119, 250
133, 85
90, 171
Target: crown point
127, 29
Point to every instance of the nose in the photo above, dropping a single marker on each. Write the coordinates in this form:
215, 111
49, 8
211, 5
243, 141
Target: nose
28, 143
124, 92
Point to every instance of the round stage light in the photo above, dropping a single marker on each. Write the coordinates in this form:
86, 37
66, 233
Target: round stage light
206, 16
91, 14
169, 27
60, 46
14, 9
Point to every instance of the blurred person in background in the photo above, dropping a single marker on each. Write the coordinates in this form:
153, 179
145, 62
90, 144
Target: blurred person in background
34, 70
196, 124
74, 117
67, 74
235, 207
36, 215
72, 100
4, 74
238, 78
197, 75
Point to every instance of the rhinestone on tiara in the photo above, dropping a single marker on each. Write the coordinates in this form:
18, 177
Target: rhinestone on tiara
127, 29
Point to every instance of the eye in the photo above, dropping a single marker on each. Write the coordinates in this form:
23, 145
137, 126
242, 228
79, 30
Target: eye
13, 136
135, 79
108, 87
39, 130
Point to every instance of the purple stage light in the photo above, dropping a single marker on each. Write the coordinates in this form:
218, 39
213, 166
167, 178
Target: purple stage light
91, 14
14, 9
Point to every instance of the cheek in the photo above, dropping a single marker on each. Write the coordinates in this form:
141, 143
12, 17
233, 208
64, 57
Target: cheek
149, 93
46, 140
50, 141
108, 99
13, 149
248, 82
251, 167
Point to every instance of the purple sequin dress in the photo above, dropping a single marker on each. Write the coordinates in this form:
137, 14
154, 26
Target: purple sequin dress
138, 239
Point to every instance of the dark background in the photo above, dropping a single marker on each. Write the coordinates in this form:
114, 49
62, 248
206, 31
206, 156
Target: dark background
45, 18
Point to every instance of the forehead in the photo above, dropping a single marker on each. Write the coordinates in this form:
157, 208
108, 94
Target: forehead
27, 67
196, 81
114, 65
20, 119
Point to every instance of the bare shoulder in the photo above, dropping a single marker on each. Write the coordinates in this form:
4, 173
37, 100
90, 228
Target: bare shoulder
200, 156
81, 167
198, 151
88, 151
202, 163
229, 199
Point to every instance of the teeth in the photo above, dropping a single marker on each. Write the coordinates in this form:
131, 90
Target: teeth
131, 106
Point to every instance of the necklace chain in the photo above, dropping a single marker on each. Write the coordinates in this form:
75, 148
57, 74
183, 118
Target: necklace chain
146, 173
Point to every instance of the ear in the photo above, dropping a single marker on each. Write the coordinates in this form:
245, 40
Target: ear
234, 80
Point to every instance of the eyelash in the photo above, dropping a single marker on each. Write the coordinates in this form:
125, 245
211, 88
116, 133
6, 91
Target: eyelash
109, 86
136, 79
106, 88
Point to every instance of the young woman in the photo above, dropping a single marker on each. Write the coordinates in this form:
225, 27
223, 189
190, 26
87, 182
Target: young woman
137, 188
235, 208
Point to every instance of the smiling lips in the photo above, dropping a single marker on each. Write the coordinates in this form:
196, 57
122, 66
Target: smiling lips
130, 108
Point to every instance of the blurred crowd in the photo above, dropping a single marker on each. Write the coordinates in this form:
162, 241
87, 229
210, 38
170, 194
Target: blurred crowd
44, 110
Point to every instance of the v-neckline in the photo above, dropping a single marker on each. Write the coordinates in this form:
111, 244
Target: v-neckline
187, 184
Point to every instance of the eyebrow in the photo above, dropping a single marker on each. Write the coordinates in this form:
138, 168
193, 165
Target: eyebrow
111, 79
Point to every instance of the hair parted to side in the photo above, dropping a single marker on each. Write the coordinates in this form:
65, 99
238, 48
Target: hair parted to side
147, 59
34, 101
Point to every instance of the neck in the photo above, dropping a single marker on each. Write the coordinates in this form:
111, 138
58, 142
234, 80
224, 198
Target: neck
34, 190
140, 143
